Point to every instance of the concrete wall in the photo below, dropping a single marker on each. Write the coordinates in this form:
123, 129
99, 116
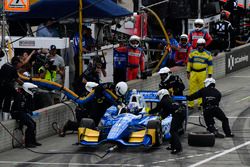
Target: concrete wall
151, 83
44, 118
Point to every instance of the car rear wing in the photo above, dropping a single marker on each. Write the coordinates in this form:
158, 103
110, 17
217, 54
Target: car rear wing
151, 96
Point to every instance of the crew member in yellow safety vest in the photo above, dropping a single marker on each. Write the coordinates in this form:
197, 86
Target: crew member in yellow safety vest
48, 71
199, 65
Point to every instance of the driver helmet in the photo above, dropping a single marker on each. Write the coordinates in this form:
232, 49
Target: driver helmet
198, 24
209, 81
162, 93
90, 85
30, 88
134, 41
121, 88
184, 39
134, 107
165, 73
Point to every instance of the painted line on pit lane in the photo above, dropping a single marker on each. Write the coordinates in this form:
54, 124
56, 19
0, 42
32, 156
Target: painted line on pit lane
66, 164
185, 157
239, 76
248, 97
231, 117
220, 154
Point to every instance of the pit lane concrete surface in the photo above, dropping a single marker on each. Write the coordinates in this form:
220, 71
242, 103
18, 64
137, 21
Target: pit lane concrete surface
226, 152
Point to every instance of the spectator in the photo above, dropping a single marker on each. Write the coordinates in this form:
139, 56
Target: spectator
91, 74
59, 63
47, 29
48, 71
181, 56
170, 58
87, 46
26, 58
199, 32
199, 65
223, 32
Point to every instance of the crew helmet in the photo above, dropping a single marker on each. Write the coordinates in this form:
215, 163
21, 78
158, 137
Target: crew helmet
201, 41
165, 73
134, 38
121, 88
90, 85
164, 70
162, 93
184, 36
209, 81
30, 88
198, 24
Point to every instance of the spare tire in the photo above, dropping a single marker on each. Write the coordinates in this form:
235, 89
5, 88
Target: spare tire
201, 139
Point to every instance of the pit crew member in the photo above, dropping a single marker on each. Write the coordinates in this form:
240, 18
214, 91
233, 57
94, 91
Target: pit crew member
199, 65
211, 98
199, 32
171, 82
165, 107
104, 96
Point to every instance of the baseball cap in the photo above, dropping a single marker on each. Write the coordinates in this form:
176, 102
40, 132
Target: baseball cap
52, 47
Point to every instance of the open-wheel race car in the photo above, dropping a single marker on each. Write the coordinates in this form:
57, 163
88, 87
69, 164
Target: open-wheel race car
132, 128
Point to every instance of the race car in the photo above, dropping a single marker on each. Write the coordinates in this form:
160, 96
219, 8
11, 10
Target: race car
133, 128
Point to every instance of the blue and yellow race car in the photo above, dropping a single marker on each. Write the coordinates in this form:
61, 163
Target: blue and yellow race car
133, 128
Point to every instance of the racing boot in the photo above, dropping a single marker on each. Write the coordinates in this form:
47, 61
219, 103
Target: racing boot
169, 147
176, 151
230, 135
218, 135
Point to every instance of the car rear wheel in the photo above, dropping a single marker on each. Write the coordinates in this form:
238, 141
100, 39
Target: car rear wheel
156, 124
87, 123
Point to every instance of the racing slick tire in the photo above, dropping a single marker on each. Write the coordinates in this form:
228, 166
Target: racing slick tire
156, 124
201, 139
87, 123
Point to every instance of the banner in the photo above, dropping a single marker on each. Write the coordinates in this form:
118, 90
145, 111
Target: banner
237, 59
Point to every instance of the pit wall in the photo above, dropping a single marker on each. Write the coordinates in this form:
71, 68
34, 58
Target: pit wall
44, 118
224, 63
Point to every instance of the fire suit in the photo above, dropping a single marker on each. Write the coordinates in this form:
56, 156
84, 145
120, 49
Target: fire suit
135, 61
120, 64
174, 85
166, 107
194, 35
22, 110
223, 32
211, 98
199, 65
181, 56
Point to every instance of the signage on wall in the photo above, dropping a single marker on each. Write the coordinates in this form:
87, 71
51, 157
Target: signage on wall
237, 59
17, 5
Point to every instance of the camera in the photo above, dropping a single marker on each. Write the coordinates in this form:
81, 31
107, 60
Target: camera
51, 66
